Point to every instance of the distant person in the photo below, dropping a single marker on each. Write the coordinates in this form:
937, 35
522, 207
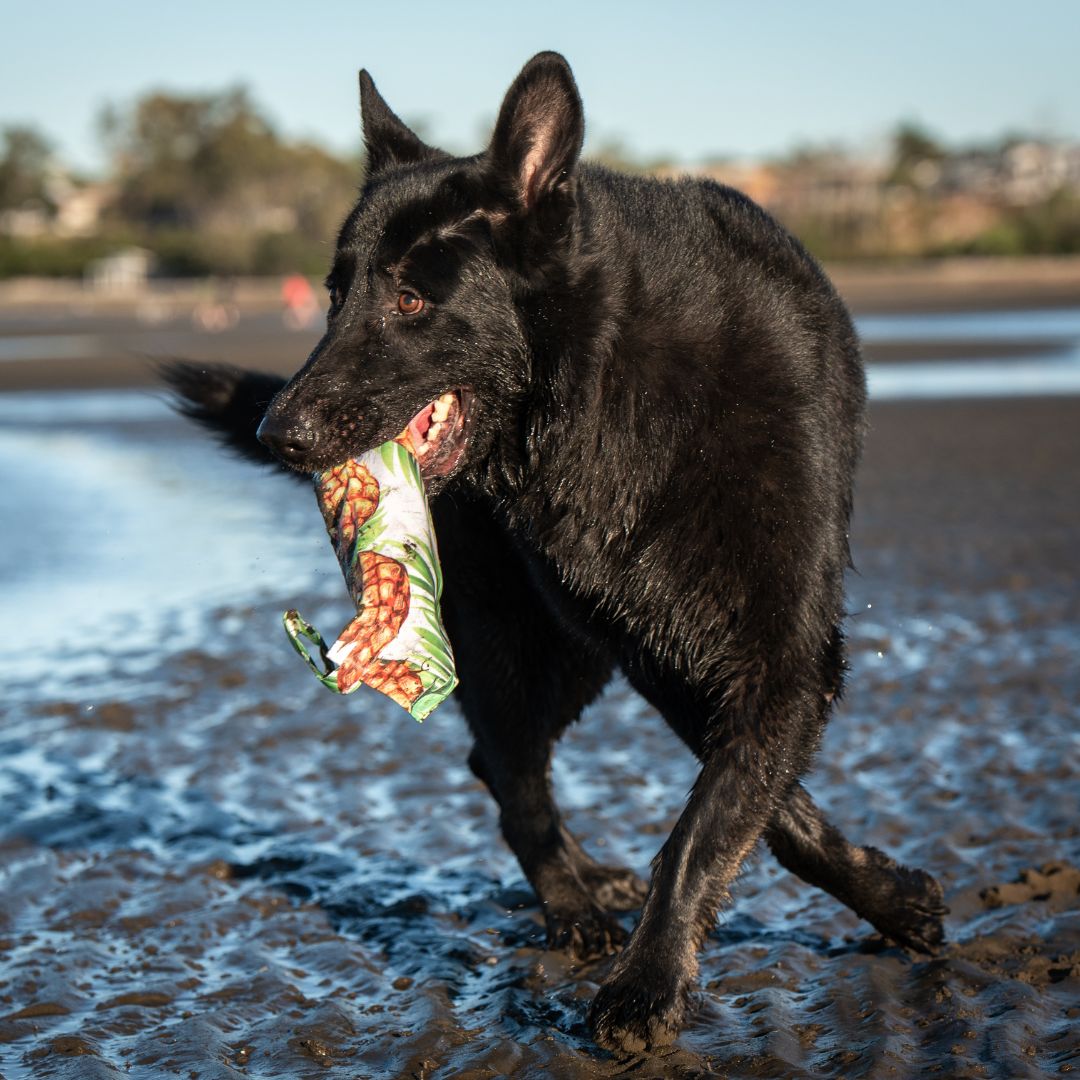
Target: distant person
301, 305
218, 310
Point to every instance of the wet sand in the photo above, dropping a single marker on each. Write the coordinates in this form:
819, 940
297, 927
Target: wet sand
213, 868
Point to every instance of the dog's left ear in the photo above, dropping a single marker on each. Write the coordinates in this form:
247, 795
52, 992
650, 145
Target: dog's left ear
386, 139
539, 132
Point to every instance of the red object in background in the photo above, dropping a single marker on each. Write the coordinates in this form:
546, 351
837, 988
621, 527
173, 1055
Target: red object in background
301, 306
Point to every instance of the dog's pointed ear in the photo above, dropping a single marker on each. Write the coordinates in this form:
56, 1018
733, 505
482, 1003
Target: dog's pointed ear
539, 132
386, 139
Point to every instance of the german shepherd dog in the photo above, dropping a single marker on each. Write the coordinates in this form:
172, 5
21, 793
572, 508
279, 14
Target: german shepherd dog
651, 404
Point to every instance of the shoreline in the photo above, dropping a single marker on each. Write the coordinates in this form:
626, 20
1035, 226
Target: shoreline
963, 283
958, 284
80, 339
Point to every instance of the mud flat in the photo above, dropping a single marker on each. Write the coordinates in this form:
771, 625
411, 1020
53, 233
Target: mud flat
213, 868
959, 284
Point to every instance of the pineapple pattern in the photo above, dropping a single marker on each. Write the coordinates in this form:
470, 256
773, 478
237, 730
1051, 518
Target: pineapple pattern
348, 495
414, 668
384, 605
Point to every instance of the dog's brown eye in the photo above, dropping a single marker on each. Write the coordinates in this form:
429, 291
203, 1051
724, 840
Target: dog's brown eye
408, 303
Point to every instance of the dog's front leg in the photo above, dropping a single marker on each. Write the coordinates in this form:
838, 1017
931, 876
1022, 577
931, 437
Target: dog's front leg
532, 827
747, 768
524, 679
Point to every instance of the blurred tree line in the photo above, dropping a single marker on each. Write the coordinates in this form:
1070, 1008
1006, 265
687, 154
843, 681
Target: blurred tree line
207, 185
204, 182
1012, 196
24, 161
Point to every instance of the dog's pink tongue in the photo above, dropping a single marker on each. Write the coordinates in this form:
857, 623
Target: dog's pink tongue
418, 427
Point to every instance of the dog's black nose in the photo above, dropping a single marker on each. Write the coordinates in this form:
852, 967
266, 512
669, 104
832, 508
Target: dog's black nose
292, 442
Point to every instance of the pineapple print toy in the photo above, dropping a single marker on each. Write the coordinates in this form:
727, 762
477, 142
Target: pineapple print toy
378, 520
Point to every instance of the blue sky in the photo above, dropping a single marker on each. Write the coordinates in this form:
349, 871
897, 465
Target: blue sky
686, 80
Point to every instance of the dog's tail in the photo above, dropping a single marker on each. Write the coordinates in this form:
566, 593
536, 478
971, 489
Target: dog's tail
225, 400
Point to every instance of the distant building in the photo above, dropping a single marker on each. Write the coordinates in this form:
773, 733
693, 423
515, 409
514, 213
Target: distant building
68, 208
79, 208
122, 271
1018, 174
26, 222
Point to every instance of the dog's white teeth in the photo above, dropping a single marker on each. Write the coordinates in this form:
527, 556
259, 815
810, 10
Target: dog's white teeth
434, 432
442, 408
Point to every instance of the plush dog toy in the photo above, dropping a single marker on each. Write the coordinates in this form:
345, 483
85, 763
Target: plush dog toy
380, 526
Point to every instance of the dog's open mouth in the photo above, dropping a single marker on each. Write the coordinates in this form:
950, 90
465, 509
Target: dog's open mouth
438, 435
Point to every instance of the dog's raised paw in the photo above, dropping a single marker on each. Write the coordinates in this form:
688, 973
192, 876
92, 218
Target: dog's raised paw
910, 910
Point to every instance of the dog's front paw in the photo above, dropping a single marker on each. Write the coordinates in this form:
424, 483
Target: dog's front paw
638, 1011
586, 933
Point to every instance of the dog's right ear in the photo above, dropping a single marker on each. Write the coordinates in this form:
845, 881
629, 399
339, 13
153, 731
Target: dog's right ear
539, 132
386, 139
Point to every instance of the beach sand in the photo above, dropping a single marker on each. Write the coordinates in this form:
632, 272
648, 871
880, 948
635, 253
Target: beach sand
214, 868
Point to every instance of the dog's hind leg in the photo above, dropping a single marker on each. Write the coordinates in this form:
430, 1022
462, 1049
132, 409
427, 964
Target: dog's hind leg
904, 904
524, 678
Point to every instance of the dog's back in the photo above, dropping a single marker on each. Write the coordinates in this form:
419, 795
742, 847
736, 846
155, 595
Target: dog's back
709, 403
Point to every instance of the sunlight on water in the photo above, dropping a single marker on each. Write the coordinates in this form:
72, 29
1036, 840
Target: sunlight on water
1053, 325
64, 408
1039, 376
120, 528
1018, 375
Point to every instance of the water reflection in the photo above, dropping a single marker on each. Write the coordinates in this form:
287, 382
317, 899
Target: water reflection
122, 522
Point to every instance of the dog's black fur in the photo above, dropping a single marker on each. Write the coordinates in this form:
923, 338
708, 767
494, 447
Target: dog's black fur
665, 401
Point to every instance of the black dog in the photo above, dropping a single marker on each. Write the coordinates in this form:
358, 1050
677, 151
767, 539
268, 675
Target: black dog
656, 402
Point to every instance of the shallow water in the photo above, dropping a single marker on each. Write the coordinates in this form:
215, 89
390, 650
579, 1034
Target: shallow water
1033, 376
120, 526
1012, 353
1044, 358
1019, 325
214, 868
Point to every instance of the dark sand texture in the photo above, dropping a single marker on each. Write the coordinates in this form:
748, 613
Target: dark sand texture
210, 867
214, 868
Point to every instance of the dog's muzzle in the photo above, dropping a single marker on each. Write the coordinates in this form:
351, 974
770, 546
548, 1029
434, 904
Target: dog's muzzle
293, 442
